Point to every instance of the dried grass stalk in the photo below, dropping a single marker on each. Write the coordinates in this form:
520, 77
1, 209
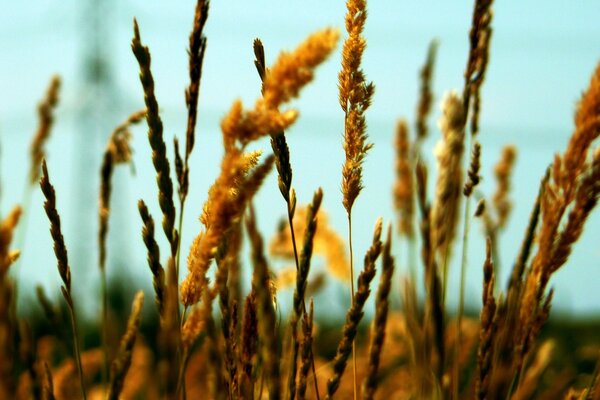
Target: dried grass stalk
60, 250
425, 92
446, 205
503, 172
48, 389
305, 352
485, 352
404, 190
355, 97
7, 230
121, 363
227, 199
155, 137
378, 329
46, 118
266, 314
355, 313
473, 172
117, 152
300, 290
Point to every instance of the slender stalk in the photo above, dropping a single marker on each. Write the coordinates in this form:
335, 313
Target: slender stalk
461, 298
352, 303
75, 341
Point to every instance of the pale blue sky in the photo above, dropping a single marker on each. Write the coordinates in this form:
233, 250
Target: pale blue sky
542, 56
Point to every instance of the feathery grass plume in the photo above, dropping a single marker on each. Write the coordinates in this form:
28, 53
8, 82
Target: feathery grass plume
158, 273
485, 352
155, 137
120, 365
192, 328
473, 172
48, 389
380, 321
46, 118
355, 97
572, 189
404, 189
355, 312
266, 314
425, 93
286, 77
239, 180
249, 345
305, 352
60, 250
446, 206
503, 171
301, 279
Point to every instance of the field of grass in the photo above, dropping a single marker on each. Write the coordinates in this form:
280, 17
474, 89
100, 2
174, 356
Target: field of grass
206, 337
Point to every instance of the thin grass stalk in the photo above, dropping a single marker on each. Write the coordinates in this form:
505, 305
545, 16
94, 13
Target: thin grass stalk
48, 389
379, 323
355, 312
60, 250
472, 182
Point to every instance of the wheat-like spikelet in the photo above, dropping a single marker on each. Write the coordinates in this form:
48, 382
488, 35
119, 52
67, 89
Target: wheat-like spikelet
266, 313
46, 118
404, 190
121, 363
355, 312
300, 290
155, 137
473, 172
192, 327
425, 92
60, 250
197, 43
503, 171
485, 352
158, 273
355, 97
305, 352
380, 321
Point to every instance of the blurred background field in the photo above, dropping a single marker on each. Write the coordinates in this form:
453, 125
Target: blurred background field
541, 59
